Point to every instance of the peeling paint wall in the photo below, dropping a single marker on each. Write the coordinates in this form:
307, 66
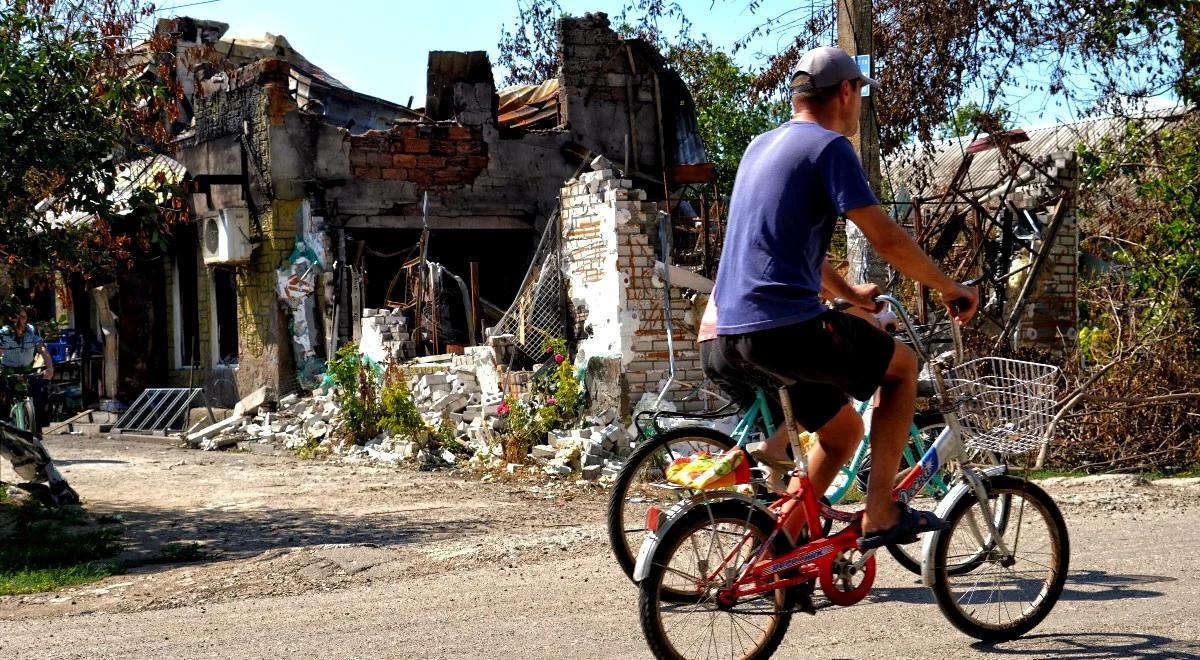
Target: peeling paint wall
617, 302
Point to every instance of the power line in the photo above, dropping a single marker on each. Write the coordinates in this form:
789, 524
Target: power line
188, 4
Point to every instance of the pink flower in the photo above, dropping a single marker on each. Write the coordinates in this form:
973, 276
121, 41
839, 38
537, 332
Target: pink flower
503, 408
551, 401
558, 357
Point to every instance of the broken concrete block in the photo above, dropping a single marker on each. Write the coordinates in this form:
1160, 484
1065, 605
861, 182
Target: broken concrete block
592, 472
557, 469
544, 451
592, 460
249, 404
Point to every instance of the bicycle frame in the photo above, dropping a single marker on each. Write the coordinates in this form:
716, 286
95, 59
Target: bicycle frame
814, 559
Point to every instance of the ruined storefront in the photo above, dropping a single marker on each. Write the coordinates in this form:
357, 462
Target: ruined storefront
313, 202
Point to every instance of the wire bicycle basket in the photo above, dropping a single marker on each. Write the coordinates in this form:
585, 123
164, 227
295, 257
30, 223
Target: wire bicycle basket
1004, 405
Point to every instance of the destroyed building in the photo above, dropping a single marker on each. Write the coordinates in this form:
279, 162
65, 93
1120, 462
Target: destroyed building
311, 201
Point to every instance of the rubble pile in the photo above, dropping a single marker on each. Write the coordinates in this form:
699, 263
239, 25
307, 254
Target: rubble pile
459, 399
295, 423
596, 451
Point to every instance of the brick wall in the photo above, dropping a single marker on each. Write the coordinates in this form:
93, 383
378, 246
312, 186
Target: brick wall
429, 155
256, 101
617, 303
1051, 316
600, 88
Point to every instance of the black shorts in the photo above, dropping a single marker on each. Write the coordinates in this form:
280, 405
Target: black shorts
826, 360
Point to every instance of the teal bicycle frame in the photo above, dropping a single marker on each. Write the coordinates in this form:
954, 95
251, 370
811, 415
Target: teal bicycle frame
916, 447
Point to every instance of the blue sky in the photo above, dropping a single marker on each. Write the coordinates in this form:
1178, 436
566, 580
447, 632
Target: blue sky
381, 47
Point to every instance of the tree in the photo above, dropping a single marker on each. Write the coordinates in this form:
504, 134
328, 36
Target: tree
969, 120
929, 53
77, 100
728, 113
530, 51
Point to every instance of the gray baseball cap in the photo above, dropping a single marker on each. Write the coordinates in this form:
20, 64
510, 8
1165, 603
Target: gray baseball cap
828, 66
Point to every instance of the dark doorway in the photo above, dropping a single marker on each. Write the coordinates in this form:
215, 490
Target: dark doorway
186, 286
225, 305
140, 307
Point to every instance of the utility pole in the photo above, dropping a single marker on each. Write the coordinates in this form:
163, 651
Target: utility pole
855, 23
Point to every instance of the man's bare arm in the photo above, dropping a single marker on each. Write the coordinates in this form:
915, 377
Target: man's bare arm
833, 285
47, 361
902, 252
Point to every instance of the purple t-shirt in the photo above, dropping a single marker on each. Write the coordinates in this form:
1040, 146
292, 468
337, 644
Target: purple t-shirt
791, 186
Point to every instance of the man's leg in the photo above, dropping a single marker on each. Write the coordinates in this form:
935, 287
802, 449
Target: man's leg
889, 432
836, 442
38, 392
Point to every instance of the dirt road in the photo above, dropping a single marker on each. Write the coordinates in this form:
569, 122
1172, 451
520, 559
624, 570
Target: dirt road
325, 559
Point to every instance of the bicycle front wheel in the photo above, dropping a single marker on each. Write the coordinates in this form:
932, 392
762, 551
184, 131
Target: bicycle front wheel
1013, 585
701, 553
639, 485
928, 427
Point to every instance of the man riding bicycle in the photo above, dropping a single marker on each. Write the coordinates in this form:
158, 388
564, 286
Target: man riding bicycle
791, 186
19, 344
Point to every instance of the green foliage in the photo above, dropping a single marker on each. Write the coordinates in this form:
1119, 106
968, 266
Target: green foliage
1158, 251
729, 115
356, 389
445, 436
311, 448
969, 119
1139, 311
398, 412
71, 111
39, 580
43, 549
555, 401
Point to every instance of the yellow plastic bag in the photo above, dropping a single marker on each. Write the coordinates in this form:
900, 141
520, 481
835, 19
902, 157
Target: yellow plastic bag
703, 471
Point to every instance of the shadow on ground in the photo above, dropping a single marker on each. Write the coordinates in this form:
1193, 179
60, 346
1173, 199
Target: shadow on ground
1081, 586
1086, 646
234, 533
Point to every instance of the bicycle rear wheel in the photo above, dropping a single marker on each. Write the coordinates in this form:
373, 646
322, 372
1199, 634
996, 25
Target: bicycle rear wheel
698, 555
638, 486
1005, 595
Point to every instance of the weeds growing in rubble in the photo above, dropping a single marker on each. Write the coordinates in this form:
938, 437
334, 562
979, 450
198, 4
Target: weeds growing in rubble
398, 412
356, 385
555, 401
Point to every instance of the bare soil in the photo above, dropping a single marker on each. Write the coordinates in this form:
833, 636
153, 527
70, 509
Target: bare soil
326, 559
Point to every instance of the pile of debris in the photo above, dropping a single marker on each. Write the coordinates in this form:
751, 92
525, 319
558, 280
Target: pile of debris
459, 399
595, 452
296, 422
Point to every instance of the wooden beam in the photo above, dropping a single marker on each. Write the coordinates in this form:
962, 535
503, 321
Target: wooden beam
435, 223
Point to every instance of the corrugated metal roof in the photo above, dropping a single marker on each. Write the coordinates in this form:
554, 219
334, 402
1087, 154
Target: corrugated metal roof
989, 170
131, 177
529, 106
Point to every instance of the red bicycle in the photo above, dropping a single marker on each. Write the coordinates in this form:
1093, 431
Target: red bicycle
719, 578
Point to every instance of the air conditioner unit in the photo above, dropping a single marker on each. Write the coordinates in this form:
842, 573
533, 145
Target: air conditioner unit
226, 238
